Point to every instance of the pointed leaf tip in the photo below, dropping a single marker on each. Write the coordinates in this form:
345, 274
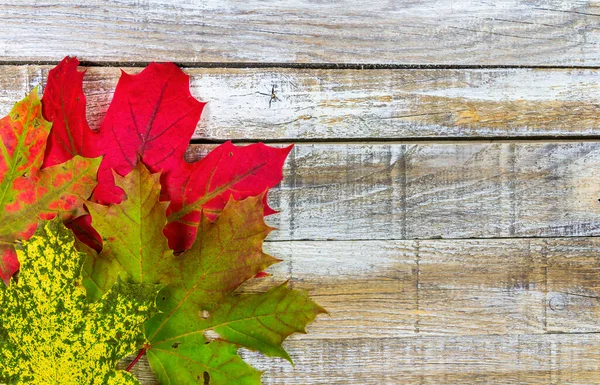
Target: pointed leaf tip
64, 104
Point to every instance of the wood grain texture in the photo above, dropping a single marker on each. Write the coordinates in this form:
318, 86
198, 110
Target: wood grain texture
453, 360
386, 289
374, 104
440, 312
511, 32
440, 263
447, 360
409, 191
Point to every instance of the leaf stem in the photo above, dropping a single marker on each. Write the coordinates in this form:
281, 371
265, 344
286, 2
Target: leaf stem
137, 358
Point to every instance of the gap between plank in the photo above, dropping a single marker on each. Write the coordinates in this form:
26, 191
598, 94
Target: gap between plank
324, 66
412, 140
453, 239
308, 337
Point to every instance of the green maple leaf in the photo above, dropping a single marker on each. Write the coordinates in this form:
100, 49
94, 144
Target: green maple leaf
202, 321
50, 333
132, 233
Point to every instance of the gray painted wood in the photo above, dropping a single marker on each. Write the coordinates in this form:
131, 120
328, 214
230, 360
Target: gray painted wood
374, 104
515, 32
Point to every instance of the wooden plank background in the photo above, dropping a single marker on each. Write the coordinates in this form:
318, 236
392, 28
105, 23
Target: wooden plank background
473, 32
318, 104
442, 198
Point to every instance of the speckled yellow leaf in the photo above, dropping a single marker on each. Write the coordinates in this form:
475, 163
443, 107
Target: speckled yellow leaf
50, 334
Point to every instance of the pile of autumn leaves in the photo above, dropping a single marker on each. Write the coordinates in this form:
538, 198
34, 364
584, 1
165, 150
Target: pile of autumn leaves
153, 249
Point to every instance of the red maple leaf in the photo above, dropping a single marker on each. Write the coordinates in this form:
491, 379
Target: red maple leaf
153, 116
63, 104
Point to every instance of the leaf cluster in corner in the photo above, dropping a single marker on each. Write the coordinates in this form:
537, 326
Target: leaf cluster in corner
148, 202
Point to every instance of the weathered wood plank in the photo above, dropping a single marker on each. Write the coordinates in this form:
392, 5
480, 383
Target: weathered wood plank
453, 360
429, 307
440, 312
384, 289
373, 104
456, 360
573, 286
517, 32
505, 311
409, 191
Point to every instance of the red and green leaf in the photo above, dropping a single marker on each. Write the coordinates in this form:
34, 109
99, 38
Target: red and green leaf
206, 186
153, 115
27, 192
199, 296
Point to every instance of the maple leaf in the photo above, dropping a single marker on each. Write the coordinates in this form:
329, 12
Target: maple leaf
153, 115
28, 193
199, 298
50, 333
64, 105
206, 186
132, 232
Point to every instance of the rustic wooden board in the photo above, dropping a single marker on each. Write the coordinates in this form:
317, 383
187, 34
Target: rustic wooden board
441, 311
516, 32
317, 104
440, 263
408, 191
452, 360
385, 289
442, 360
